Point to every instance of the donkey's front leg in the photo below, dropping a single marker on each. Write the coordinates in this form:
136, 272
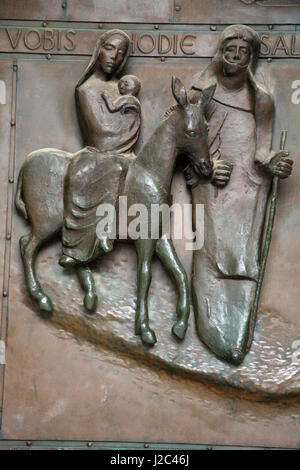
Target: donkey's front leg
144, 249
166, 252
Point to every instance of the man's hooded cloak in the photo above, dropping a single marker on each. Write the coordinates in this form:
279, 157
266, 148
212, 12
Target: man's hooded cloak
225, 270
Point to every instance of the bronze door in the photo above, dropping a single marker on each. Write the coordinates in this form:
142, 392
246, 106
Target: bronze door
79, 376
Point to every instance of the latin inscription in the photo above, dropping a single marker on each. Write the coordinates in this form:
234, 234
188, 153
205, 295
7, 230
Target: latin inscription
286, 45
164, 43
142, 44
46, 39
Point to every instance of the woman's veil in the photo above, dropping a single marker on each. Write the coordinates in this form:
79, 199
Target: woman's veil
100, 42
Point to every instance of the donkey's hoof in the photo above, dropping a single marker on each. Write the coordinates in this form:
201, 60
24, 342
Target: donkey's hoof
67, 261
91, 302
148, 337
106, 244
45, 304
179, 329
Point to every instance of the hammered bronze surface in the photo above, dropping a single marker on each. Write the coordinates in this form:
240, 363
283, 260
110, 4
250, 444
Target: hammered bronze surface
89, 10
238, 11
77, 375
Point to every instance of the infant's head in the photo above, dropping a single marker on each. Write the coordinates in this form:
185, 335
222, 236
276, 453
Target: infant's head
129, 85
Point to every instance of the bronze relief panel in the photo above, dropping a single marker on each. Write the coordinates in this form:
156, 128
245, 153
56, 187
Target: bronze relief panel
110, 127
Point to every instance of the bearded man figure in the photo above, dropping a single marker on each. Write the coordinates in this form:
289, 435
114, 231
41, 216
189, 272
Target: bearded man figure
240, 119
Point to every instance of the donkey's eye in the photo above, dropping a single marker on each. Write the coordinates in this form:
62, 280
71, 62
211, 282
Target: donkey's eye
191, 133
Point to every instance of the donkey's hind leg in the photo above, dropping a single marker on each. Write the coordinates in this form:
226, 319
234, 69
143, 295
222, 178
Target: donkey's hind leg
166, 252
144, 249
88, 284
29, 245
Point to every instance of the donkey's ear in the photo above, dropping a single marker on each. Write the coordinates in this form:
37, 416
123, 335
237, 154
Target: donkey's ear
208, 93
179, 91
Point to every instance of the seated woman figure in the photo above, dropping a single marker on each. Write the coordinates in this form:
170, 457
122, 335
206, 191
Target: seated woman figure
105, 133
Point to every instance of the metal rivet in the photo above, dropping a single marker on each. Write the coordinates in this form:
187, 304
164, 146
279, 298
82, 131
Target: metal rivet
146, 446
269, 59
213, 28
163, 59
64, 5
100, 25
48, 56
15, 68
4, 293
44, 24
11, 180
89, 444
177, 7
8, 236
156, 26
270, 26
29, 443
12, 122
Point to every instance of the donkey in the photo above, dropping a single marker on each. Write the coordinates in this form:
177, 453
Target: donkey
40, 196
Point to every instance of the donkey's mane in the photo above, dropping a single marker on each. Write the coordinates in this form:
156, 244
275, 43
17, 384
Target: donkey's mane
170, 111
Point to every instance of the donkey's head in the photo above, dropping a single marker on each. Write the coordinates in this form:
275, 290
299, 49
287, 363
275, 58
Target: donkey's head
193, 134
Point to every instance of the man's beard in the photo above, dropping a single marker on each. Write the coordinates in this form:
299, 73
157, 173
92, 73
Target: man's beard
231, 68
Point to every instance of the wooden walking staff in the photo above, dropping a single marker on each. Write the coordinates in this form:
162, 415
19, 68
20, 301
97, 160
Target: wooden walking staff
266, 246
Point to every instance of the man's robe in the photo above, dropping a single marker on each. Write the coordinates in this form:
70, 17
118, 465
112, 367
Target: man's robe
226, 269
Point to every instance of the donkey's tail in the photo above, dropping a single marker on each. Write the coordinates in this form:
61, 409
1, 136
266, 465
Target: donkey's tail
19, 202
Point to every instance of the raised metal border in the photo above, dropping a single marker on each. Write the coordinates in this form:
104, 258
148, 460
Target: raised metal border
8, 444
111, 445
